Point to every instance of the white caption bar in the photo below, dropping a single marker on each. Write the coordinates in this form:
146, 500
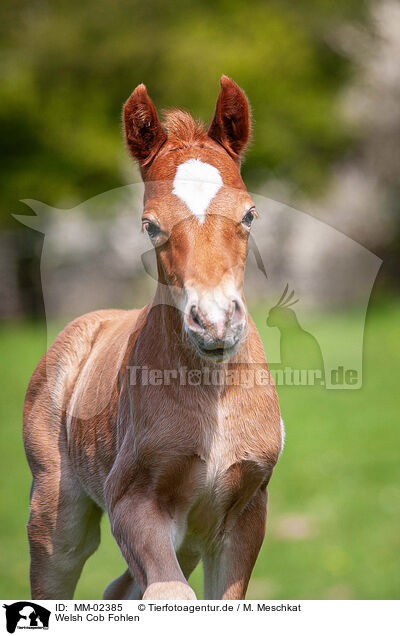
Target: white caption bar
153, 617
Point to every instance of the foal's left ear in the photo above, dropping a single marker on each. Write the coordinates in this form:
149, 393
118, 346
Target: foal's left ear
144, 134
231, 125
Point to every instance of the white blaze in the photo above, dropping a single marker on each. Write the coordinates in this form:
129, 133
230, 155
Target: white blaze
196, 183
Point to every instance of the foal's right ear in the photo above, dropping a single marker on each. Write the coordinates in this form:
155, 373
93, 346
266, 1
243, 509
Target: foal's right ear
144, 134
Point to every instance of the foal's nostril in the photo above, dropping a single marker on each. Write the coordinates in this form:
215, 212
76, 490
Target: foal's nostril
194, 320
237, 315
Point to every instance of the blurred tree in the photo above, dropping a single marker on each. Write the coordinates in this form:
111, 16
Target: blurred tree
67, 68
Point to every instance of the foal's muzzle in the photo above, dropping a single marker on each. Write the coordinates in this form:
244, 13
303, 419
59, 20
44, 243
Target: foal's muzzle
216, 329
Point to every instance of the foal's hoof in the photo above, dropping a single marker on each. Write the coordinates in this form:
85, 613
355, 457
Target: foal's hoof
168, 591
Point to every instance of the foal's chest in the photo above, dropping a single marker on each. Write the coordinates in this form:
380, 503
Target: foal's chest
232, 465
220, 449
243, 435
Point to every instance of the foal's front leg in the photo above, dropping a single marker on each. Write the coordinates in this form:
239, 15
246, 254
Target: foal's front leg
143, 532
227, 570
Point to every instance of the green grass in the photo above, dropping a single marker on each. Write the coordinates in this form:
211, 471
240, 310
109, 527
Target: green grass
334, 500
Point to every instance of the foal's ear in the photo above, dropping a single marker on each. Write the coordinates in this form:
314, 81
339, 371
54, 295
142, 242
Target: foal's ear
231, 124
144, 134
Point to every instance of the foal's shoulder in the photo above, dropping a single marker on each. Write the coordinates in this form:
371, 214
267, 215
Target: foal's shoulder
76, 341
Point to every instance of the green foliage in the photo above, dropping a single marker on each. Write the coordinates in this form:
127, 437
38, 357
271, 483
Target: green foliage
333, 500
68, 67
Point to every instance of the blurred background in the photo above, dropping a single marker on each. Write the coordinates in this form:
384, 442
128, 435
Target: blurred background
323, 78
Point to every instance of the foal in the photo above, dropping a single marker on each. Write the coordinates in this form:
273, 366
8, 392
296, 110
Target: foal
180, 466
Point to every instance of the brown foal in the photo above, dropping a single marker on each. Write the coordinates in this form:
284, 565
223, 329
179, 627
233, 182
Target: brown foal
181, 467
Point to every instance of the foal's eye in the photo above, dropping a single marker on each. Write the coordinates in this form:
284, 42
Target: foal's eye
248, 218
151, 228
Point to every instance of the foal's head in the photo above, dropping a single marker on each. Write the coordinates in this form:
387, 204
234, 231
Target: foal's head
197, 211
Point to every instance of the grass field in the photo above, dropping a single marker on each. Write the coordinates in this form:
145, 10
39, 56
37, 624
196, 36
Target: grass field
334, 500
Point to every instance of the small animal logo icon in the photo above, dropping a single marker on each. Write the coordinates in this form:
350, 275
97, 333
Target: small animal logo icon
26, 615
298, 348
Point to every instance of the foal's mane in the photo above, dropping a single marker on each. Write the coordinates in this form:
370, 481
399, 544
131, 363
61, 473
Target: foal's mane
182, 128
